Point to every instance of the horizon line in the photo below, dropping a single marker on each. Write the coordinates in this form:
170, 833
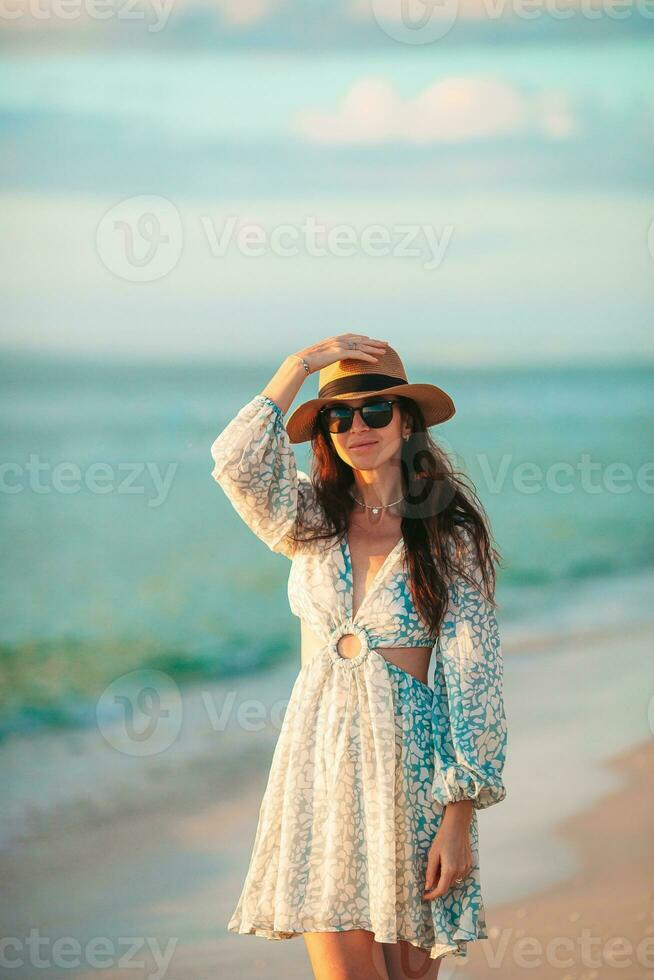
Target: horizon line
103, 358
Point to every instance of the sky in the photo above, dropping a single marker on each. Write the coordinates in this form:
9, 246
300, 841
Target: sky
237, 181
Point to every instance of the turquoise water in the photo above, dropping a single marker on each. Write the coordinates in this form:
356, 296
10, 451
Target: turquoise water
99, 583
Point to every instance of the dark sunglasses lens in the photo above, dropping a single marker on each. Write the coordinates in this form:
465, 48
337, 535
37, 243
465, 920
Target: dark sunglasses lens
377, 414
338, 418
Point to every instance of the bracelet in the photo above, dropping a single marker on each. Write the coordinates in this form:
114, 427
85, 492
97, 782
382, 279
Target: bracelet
304, 363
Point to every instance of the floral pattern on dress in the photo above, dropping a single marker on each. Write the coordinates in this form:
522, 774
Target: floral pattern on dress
367, 756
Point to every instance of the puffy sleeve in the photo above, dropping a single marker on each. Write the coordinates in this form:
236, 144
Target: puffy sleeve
469, 729
255, 465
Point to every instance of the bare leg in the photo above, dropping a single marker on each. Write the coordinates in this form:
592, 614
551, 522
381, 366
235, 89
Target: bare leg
351, 955
406, 962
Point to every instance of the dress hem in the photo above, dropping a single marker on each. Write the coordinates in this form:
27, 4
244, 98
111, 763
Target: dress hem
456, 947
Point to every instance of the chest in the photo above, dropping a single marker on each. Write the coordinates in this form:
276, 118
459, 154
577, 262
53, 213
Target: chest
368, 554
321, 594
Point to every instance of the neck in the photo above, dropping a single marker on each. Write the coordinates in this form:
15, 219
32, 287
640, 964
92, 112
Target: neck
377, 487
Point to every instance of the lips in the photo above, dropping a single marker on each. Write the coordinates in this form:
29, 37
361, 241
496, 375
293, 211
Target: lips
363, 445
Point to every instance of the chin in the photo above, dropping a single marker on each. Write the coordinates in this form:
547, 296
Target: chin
363, 465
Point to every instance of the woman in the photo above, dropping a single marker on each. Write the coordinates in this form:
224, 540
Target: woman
367, 840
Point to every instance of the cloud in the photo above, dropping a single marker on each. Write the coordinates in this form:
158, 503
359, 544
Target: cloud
453, 110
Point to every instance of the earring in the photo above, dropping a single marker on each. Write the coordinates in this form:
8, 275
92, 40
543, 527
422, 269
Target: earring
406, 436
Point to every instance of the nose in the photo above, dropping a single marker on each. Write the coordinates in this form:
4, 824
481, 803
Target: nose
358, 425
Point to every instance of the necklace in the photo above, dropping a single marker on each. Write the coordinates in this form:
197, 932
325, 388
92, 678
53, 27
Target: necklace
375, 509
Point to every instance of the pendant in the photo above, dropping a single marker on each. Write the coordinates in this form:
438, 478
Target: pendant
375, 510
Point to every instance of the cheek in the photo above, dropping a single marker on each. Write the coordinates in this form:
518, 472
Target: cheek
393, 432
391, 440
392, 443
339, 448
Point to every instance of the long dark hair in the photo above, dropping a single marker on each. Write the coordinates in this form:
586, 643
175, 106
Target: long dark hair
444, 525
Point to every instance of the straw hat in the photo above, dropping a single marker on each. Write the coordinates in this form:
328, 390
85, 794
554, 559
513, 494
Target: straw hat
352, 378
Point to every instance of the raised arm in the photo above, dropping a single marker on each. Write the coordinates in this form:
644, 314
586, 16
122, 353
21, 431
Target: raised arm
469, 727
256, 467
253, 458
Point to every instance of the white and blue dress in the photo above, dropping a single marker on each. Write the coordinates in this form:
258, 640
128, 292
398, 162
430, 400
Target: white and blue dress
368, 755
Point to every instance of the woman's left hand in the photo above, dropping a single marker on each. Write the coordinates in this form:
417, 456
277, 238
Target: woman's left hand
450, 855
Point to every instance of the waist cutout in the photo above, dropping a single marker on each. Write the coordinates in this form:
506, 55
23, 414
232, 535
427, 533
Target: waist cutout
412, 659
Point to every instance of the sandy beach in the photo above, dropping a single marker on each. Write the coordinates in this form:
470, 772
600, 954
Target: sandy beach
166, 883
599, 922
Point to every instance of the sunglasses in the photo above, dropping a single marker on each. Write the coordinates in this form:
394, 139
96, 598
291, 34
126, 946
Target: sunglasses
376, 414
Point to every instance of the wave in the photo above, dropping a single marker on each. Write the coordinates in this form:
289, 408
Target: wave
56, 684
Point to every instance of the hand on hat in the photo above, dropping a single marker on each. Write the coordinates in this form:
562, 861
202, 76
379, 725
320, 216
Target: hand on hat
286, 382
338, 348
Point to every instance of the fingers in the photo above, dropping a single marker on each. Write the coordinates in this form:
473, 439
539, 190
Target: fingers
336, 349
360, 353
367, 349
448, 877
433, 868
360, 357
444, 884
361, 339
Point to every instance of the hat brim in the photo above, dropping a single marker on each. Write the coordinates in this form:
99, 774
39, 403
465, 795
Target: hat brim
436, 405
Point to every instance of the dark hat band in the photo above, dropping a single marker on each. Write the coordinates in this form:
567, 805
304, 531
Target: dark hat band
359, 382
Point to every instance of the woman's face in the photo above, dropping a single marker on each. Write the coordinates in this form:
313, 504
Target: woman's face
365, 448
